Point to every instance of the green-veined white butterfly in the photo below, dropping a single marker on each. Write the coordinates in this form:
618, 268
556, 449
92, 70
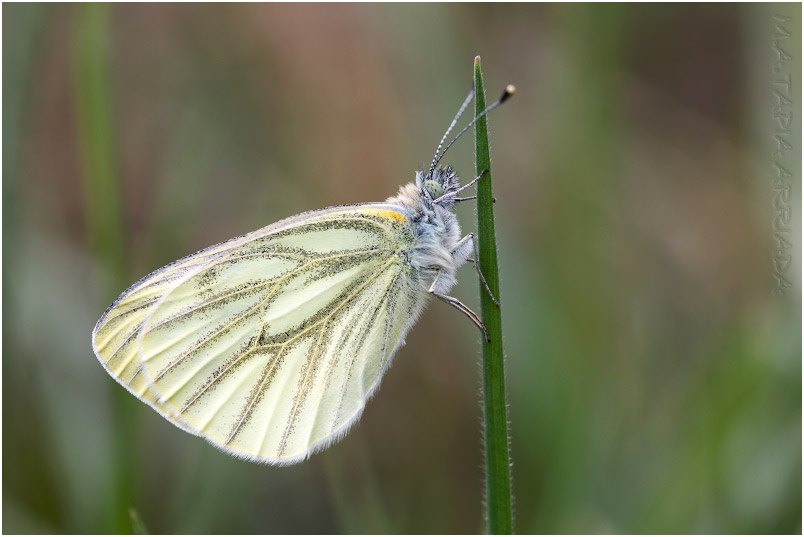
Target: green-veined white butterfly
269, 344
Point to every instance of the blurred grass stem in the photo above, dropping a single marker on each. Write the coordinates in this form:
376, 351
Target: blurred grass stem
102, 193
498, 467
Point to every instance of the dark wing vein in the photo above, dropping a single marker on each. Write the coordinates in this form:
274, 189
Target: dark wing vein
253, 397
345, 339
206, 339
363, 336
299, 398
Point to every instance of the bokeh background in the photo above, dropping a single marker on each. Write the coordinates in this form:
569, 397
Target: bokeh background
654, 377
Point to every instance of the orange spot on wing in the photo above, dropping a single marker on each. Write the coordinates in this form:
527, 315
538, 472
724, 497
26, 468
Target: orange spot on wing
386, 213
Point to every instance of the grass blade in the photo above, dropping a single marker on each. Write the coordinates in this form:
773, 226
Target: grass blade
102, 195
498, 468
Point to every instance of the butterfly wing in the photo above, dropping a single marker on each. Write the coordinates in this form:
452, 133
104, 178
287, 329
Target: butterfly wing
269, 344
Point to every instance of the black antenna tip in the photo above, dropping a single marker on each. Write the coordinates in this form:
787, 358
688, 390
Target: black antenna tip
510, 89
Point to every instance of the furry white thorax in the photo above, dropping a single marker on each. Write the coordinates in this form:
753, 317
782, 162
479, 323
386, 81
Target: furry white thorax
435, 228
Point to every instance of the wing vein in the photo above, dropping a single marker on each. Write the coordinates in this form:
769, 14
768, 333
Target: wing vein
332, 363
354, 357
237, 319
346, 300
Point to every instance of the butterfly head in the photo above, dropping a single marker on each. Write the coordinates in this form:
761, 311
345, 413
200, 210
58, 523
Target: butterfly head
440, 184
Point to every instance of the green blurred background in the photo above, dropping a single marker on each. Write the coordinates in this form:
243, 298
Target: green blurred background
654, 378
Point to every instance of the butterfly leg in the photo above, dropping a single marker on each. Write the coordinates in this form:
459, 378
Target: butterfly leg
461, 253
459, 189
460, 306
458, 200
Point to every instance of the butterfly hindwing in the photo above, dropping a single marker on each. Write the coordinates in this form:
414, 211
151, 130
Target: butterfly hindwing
269, 344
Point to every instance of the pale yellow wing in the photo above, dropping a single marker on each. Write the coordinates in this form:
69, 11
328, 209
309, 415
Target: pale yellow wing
269, 344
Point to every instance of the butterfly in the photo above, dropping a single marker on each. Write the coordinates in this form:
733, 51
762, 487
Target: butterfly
268, 345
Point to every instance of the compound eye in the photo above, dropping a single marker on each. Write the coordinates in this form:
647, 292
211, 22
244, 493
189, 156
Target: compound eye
434, 188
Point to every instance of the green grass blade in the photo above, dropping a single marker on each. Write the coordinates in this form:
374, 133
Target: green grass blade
102, 196
498, 468
96, 137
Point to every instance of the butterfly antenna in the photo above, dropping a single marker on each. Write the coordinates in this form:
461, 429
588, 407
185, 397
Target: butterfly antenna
451, 126
510, 89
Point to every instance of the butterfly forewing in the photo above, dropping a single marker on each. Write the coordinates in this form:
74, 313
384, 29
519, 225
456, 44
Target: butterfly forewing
269, 344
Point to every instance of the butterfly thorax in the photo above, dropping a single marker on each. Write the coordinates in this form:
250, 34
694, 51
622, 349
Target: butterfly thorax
434, 227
